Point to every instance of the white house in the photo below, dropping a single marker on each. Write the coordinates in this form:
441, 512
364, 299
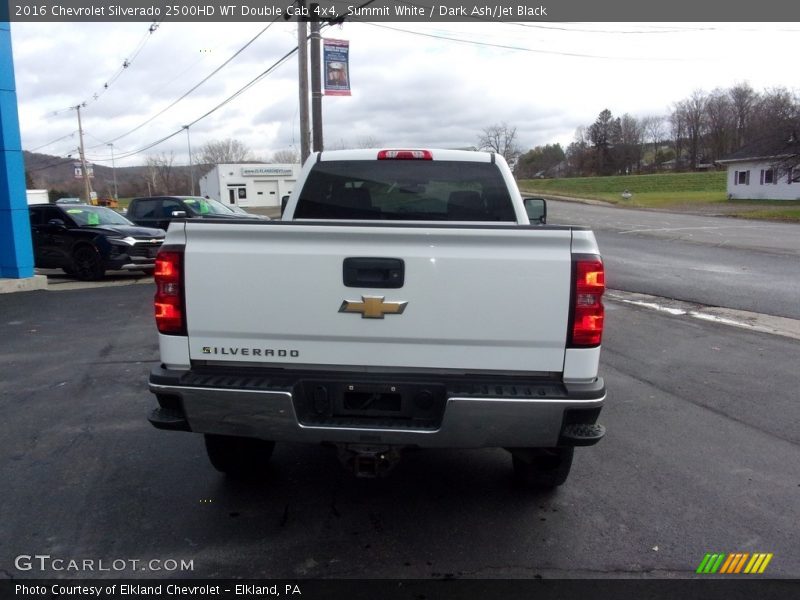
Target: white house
766, 170
250, 184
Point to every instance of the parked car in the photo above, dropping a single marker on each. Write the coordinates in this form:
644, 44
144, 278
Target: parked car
159, 211
242, 212
69, 201
86, 241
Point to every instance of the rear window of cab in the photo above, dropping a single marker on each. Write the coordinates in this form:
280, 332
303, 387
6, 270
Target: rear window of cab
405, 190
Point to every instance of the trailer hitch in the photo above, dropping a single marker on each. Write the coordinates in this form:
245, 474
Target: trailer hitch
368, 461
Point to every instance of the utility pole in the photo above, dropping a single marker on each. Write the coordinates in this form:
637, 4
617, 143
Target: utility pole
316, 80
302, 75
86, 183
114, 171
191, 165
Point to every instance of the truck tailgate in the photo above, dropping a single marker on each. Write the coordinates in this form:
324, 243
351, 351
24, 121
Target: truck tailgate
478, 298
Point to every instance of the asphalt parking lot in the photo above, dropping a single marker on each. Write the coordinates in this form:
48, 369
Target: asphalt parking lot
701, 455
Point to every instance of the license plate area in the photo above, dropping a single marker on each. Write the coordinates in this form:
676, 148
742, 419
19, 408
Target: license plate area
369, 402
360, 403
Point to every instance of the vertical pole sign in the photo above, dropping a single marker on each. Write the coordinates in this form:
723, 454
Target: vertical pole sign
336, 57
16, 250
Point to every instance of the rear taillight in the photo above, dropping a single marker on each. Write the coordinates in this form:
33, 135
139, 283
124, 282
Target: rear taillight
589, 283
405, 155
169, 303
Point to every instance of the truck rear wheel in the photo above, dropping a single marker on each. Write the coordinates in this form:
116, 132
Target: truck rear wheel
541, 468
239, 457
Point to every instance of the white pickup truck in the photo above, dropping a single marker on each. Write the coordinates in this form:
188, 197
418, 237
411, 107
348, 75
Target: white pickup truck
404, 299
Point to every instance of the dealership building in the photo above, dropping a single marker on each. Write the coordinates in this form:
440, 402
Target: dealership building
250, 184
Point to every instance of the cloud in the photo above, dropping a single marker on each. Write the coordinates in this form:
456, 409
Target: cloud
433, 84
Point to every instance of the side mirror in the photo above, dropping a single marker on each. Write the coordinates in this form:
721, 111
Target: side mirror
284, 202
179, 214
57, 224
536, 209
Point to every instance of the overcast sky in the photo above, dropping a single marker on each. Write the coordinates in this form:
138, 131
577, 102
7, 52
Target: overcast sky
410, 86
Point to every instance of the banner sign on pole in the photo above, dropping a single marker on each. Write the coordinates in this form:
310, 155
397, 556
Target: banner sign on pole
336, 57
79, 170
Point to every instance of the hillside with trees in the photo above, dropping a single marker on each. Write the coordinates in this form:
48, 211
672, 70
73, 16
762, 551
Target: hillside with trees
159, 175
699, 130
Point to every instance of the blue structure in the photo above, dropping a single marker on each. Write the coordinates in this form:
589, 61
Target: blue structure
16, 250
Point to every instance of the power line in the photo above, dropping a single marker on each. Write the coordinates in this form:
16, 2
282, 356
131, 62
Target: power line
209, 76
52, 164
63, 137
230, 98
516, 48
125, 64
654, 29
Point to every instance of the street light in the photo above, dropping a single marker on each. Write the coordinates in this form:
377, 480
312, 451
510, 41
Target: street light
114, 171
191, 166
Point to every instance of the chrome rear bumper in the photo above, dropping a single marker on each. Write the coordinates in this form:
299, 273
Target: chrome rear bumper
467, 421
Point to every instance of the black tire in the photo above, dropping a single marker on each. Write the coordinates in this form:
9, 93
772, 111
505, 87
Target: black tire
239, 457
87, 264
541, 468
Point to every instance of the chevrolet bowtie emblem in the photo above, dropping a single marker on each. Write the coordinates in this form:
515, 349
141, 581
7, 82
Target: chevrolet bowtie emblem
372, 307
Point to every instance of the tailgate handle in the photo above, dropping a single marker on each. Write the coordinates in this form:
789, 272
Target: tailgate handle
364, 272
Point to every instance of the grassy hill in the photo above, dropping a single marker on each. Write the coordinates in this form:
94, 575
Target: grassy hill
685, 192
647, 190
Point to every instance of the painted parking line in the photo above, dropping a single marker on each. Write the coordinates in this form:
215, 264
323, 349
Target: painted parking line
57, 280
724, 316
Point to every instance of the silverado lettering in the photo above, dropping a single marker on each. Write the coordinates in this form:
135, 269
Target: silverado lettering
492, 340
230, 351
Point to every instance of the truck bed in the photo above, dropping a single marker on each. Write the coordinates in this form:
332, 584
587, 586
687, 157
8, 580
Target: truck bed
477, 297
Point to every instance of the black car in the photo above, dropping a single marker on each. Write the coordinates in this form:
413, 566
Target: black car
85, 241
158, 211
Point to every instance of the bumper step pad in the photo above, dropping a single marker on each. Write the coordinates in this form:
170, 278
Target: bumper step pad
579, 434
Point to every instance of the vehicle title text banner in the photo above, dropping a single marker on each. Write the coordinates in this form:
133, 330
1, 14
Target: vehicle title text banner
400, 10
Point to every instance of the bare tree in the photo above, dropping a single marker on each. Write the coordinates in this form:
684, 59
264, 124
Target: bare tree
220, 152
151, 175
743, 98
721, 119
502, 139
631, 142
655, 132
161, 173
776, 114
286, 156
677, 122
363, 142
695, 112
578, 153
367, 141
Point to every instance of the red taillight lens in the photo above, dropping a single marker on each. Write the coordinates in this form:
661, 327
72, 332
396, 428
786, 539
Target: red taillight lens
169, 306
587, 309
405, 155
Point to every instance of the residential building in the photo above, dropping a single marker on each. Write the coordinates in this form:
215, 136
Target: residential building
766, 170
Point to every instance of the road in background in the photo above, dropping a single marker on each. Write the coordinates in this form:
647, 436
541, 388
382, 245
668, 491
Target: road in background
718, 261
702, 455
